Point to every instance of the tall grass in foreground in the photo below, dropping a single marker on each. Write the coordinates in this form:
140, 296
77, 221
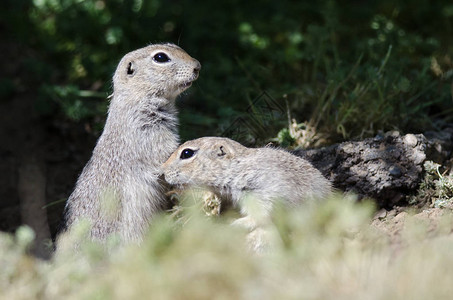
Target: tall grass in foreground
326, 251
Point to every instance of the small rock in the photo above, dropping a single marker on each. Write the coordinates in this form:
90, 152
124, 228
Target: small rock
393, 133
438, 147
381, 214
410, 140
418, 158
401, 217
395, 171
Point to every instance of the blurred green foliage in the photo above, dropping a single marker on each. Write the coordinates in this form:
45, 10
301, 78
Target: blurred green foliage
348, 68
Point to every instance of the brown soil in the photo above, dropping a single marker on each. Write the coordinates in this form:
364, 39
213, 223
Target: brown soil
393, 223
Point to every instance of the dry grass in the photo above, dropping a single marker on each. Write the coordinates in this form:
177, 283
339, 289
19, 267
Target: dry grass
325, 251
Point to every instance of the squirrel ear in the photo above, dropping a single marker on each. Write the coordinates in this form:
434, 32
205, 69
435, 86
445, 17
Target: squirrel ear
221, 151
224, 150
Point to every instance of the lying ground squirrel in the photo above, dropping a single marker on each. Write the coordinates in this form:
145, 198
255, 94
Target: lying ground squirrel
236, 172
119, 190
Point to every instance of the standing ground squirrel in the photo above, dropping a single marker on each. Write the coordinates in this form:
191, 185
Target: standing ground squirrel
119, 190
236, 172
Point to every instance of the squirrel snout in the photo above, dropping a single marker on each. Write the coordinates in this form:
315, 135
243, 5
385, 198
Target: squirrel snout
197, 67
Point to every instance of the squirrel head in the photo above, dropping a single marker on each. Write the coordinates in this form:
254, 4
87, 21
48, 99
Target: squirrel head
159, 70
201, 161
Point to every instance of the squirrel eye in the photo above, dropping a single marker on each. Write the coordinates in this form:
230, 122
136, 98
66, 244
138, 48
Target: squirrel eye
161, 57
130, 69
187, 153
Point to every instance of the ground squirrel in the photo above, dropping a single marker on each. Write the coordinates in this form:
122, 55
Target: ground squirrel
236, 172
119, 189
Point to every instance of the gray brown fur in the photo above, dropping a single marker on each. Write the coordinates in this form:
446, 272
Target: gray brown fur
140, 133
236, 172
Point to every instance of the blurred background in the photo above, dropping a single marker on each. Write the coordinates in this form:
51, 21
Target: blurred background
297, 73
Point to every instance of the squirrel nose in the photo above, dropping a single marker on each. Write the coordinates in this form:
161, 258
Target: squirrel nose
197, 68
